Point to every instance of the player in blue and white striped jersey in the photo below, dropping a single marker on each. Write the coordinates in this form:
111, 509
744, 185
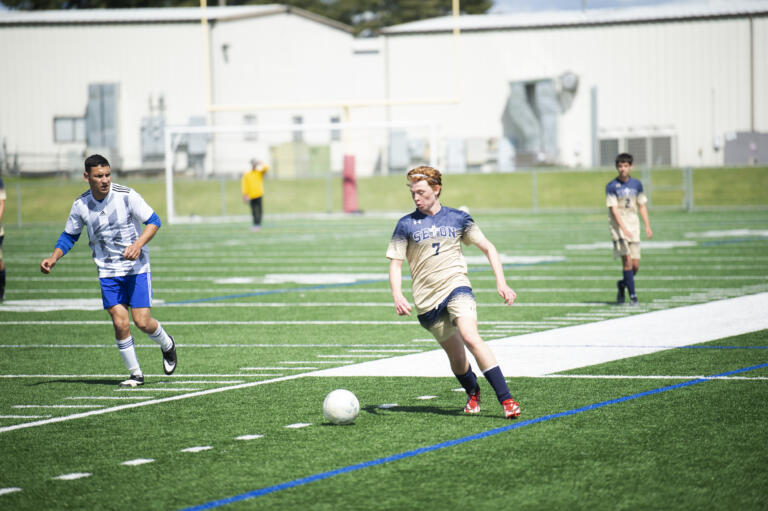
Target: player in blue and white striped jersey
112, 215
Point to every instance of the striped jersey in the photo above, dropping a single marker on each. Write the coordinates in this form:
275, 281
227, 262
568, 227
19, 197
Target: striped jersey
432, 246
112, 224
626, 197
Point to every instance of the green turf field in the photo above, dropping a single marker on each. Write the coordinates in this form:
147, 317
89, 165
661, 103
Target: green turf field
253, 312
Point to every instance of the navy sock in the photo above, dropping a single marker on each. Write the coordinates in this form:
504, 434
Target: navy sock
468, 381
2, 283
629, 281
499, 384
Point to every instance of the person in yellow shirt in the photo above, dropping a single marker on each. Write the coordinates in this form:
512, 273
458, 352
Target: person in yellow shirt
252, 187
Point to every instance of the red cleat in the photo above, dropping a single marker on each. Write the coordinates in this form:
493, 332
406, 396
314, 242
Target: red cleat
511, 409
473, 403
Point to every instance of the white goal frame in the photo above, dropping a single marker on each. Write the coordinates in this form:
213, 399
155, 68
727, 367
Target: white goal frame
172, 138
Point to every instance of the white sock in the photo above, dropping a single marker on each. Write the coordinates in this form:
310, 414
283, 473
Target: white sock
161, 338
128, 352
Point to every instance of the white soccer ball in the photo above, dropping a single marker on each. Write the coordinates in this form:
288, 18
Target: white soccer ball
341, 407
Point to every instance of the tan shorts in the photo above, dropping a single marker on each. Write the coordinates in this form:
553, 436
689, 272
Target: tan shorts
440, 320
623, 247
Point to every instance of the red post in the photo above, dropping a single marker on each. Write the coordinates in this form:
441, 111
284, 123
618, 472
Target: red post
349, 185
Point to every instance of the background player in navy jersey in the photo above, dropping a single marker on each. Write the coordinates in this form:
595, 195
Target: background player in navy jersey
625, 198
430, 239
112, 214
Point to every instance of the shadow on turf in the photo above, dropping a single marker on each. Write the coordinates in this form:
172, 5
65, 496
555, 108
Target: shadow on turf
111, 383
375, 410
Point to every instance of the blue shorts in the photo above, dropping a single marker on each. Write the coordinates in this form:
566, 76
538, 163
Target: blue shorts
131, 290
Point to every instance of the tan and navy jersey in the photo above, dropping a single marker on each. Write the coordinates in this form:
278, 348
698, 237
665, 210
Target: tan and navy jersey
432, 246
113, 224
626, 197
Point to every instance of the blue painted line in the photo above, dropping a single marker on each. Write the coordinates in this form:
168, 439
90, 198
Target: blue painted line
450, 443
317, 287
733, 240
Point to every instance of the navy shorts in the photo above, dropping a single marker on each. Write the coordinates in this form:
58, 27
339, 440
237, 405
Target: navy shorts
440, 321
131, 290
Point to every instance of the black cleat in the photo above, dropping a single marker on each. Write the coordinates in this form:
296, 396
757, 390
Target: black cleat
633, 301
169, 358
134, 381
620, 296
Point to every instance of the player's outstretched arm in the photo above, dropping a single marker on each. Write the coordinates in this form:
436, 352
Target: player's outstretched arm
492, 254
49, 262
402, 306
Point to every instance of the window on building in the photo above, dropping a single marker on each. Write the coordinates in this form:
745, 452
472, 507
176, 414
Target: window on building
335, 133
609, 148
661, 151
250, 120
638, 148
298, 135
68, 129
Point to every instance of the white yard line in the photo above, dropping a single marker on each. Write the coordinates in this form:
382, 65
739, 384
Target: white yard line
73, 476
136, 462
237, 375
200, 448
249, 437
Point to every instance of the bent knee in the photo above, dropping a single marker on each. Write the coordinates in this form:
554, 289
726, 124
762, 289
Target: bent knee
144, 322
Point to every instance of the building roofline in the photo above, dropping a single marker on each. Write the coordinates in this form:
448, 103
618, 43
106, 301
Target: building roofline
159, 15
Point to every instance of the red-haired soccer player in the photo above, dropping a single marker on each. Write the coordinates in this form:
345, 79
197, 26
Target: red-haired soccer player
430, 239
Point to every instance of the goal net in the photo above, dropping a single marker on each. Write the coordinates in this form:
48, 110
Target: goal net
204, 164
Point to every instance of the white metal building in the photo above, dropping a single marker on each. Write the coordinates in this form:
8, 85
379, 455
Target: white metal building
672, 84
110, 80
675, 85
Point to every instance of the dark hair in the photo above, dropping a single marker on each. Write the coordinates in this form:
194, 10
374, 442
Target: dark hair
95, 160
624, 158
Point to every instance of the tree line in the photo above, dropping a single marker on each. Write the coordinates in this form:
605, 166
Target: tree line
364, 16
